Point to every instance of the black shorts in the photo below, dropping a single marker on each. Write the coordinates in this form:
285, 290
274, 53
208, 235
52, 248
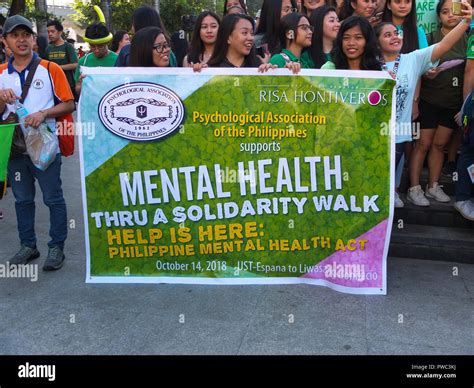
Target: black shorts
432, 116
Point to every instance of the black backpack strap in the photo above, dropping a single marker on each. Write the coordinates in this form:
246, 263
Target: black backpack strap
29, 79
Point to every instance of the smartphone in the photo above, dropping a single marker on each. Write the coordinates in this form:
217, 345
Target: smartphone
262, 50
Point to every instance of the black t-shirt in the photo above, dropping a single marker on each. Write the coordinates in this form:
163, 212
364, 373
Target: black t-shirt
226, 63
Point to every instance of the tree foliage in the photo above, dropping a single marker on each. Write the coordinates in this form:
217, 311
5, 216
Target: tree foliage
29, 9
171, 11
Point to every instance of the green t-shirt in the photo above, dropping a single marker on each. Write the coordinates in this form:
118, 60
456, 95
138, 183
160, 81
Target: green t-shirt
329, 66
306, 57
446, 89
470, 47
90, 60
63, 55
281, 59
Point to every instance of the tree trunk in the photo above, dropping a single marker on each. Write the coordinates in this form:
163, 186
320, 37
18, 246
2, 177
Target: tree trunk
17, 7
105, 6
41, 6
157, 5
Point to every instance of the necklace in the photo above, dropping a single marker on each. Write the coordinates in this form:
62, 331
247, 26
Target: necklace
393, 72
443, 31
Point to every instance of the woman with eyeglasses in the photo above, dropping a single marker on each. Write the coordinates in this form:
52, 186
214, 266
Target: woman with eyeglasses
230, 5
235, 44
406, 69
295, 35
355, 47
144, 16
267, 39
150, 48
326, 26
203, 40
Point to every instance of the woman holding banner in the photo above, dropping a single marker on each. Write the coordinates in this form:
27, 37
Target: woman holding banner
355, 47
203, 40
235, 44
150, 48
295, 35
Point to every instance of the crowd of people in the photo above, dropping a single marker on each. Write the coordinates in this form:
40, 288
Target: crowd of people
434, 75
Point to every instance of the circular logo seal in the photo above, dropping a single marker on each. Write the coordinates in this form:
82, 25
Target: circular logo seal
38, 84
374, 97
141, 111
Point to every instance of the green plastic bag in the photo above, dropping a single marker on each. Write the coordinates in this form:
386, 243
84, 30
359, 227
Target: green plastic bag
6, 135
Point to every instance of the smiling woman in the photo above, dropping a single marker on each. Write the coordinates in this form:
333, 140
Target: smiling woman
150, 48
355, 47
295, 35
326, 26
235, 43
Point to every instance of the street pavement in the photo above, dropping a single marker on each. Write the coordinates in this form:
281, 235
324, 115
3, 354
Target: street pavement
429, 308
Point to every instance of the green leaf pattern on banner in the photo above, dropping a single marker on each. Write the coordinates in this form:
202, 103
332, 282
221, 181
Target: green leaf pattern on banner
352, 133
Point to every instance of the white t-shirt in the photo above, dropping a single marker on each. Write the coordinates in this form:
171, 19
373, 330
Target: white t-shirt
410, 69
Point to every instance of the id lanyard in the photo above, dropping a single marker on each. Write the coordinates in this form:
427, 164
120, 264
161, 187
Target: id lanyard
393, 72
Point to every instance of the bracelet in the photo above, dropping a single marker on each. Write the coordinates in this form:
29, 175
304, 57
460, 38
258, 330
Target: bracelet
44, 113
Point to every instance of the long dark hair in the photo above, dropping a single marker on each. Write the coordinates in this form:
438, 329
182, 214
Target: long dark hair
316, 50
369, 59
146, 16
439, 7
289, 23
118, 36
330, 3
346, 9
269, 24
196, 48
410, 29
141, 50
225, 30
242, 4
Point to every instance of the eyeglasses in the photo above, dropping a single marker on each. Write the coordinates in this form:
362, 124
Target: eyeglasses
289, 9
306, 27
161, 47
96, 47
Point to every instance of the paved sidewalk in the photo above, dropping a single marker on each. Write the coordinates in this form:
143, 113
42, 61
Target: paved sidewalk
427, 309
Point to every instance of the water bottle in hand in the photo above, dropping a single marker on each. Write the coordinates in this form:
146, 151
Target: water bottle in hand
22, 112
